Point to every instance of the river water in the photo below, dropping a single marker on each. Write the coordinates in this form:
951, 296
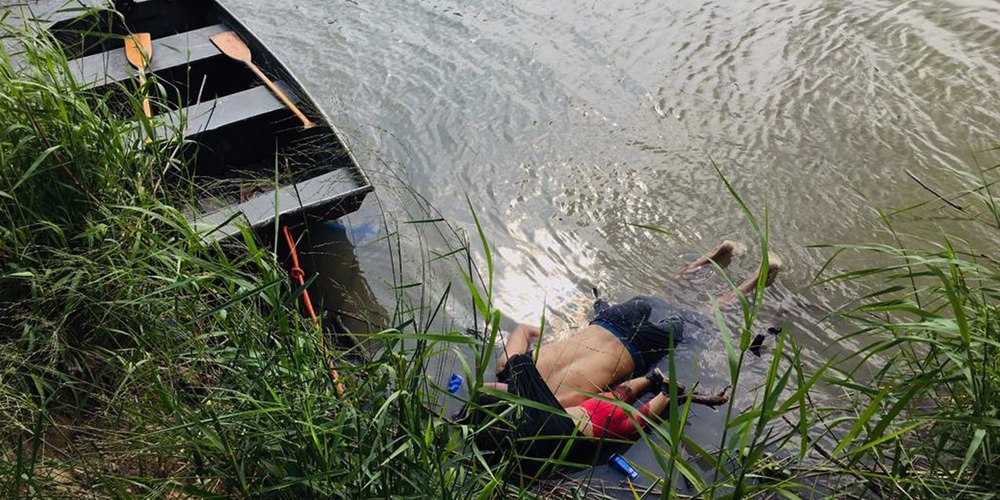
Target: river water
566, 123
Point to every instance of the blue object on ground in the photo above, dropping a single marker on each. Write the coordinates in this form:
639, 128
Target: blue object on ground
619, 463
454, 383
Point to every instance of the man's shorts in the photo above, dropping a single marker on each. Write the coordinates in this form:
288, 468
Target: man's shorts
647, 326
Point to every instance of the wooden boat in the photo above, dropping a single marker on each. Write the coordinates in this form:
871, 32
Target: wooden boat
243, 137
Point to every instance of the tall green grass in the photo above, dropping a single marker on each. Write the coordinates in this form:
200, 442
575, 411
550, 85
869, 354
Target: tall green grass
760, 442
918, 415
925, 420
138, 360
918, 411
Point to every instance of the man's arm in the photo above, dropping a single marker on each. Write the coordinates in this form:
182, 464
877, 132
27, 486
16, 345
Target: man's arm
518, 342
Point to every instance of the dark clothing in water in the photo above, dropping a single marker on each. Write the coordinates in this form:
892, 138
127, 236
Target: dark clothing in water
645, 325
540, 433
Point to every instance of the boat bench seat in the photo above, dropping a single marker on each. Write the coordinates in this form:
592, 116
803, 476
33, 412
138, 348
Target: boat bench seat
245, 154
223, 111
98, 70
316, 195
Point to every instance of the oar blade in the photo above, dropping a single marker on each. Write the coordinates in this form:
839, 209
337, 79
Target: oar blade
138, 49
232, 46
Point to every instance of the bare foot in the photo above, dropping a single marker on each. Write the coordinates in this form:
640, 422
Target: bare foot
774, 264
531, 335
721, 255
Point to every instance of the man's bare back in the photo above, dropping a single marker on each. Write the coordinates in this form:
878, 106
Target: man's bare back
588, 362
594, 358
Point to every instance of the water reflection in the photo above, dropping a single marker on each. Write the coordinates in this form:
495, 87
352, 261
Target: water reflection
567, 123
341, 289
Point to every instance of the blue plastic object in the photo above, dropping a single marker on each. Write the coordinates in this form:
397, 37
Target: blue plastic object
619, 463
454, 383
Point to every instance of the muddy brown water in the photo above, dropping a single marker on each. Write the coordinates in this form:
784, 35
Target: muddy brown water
567, 123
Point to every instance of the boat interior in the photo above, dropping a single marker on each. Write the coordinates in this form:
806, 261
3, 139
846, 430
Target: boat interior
237, 134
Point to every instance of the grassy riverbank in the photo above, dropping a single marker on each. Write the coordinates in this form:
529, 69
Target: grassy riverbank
137, 360
926, 416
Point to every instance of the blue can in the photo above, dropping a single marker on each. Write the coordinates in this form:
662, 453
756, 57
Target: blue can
454, 383
618, 462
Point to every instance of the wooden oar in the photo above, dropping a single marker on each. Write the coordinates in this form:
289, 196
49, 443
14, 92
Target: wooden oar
232, 46
139, 51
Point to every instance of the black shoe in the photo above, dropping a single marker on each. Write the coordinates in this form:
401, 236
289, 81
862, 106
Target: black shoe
655, 377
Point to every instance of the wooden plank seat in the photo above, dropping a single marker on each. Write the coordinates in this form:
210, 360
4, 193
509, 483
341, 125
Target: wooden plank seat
182, 49
336, 191
245, 155
224, 111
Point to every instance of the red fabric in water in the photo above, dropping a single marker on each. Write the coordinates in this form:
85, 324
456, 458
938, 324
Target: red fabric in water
609, 420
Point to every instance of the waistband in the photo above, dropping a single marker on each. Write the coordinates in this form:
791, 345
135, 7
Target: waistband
640, 365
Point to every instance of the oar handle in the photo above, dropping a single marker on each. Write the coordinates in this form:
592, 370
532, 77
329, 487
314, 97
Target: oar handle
306, 122
146, 109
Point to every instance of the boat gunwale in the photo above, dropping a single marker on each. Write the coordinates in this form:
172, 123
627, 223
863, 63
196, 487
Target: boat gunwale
275, 63
264, 56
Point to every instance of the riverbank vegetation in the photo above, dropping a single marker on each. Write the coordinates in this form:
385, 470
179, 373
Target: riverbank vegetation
138, 360
925, 399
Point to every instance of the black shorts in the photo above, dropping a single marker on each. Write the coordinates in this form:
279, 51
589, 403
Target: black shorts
646, 325
541, 432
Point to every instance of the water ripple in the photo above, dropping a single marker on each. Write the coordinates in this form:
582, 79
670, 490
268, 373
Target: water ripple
566, 123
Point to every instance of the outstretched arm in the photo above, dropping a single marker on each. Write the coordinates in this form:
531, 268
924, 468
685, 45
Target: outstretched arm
518, 342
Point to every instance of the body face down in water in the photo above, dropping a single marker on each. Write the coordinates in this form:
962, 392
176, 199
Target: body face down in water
621, 340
